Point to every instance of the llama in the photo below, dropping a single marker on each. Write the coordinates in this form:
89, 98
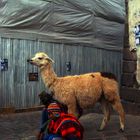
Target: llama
84, 90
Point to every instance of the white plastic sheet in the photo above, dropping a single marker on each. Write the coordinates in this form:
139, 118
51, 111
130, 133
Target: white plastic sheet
99, 23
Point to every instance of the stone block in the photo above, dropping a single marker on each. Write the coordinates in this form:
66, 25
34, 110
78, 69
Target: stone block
128, 55
130, 94
128, 79
129, 66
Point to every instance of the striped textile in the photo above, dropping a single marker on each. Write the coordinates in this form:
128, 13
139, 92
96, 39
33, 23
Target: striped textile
67, 126
53, 107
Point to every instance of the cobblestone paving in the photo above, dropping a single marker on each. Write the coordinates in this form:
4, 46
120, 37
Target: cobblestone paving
24, 126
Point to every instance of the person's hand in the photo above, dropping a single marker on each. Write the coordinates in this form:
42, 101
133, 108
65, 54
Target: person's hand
40, 136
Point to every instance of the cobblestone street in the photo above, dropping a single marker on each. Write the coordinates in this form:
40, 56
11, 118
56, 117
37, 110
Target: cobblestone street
24, 126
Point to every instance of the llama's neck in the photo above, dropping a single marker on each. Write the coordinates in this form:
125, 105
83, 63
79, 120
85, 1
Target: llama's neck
48, 76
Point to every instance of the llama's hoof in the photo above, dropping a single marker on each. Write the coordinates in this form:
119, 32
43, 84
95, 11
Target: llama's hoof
99, 130
121, 130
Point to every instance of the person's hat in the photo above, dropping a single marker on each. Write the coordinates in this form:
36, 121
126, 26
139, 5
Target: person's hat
53, 107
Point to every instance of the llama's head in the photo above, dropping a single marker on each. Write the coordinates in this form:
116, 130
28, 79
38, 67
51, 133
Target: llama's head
40, 59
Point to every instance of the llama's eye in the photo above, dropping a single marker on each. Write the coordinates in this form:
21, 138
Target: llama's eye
40, 58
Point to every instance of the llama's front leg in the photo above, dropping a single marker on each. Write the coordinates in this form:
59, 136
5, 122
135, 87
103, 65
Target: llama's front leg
72, 109
72, 106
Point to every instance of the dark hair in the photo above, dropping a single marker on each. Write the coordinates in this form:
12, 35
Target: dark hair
45, 98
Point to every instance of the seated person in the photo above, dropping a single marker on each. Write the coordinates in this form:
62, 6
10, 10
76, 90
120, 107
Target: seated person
58, 125
46, 99
61, 125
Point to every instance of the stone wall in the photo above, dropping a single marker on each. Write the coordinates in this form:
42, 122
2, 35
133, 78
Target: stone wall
129, 58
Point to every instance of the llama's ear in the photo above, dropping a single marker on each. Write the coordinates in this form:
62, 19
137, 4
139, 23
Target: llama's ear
52, 61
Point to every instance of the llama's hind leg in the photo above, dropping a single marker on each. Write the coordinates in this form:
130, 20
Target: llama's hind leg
119, 108
106, 112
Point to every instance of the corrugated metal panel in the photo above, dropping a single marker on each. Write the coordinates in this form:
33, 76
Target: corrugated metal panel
15, 88
6, 83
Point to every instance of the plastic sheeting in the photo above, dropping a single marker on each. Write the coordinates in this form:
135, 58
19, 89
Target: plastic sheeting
99, 23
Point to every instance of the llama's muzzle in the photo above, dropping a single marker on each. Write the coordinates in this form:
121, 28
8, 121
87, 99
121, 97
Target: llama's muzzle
29, 60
